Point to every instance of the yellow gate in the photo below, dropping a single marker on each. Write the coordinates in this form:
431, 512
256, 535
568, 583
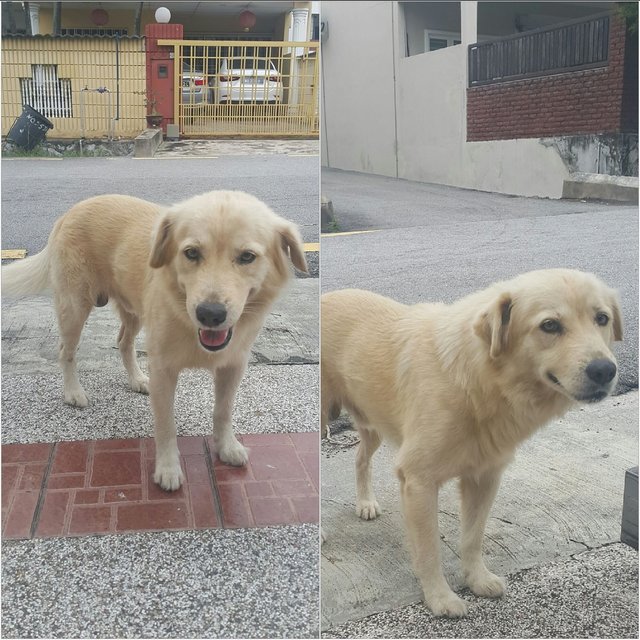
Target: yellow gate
246, 88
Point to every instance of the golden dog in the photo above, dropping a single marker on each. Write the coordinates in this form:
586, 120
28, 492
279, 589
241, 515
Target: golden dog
456, 388
200, 276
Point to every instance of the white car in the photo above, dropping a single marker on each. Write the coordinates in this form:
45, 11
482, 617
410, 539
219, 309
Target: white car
247, 80
194, 87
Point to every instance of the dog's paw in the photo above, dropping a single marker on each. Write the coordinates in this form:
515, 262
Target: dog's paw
447, 604
232, 452
140, 385
168, 475
486, 584
76, 397
368, 509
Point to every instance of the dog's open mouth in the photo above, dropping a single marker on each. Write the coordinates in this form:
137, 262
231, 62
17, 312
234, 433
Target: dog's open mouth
214, 340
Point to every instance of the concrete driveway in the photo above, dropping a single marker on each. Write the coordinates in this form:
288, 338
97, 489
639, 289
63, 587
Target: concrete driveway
555, 526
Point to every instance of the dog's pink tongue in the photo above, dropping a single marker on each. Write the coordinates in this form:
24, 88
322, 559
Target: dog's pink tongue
212, 338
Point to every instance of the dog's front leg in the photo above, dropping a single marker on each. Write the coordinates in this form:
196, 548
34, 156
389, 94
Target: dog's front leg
162, 389
227, 381
420, 507
477, 495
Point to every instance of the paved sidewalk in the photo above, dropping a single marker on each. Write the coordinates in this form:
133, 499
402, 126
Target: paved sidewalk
561, 495
233, 553
592, 594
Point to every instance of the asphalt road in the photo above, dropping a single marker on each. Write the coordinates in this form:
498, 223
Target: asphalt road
35, 192
438, 243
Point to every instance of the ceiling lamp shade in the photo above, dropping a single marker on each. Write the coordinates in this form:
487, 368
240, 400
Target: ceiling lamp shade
99, 17
247, 20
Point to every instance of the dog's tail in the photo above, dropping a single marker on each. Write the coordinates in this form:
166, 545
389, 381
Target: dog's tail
27, 277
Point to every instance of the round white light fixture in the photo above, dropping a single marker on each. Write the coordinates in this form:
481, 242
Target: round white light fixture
163, 15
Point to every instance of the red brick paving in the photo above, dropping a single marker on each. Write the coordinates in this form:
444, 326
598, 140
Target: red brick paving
106, 486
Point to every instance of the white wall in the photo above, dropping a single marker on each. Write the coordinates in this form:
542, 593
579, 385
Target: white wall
432, 143
358, 113
414, 126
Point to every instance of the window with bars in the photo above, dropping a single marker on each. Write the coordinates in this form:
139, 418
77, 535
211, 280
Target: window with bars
46, 93
101, 31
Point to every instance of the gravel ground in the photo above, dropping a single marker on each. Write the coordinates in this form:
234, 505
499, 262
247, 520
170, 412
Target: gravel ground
33, 409
256, 583
590, 595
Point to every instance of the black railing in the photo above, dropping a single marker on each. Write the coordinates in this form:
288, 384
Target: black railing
571, 46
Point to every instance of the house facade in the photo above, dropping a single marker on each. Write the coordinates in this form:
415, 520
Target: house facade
510, 97
215, 69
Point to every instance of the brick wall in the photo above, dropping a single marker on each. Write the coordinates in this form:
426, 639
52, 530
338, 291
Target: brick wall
579, 102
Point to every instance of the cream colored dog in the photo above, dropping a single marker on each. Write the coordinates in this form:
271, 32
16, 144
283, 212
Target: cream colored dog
456, 388
200, 276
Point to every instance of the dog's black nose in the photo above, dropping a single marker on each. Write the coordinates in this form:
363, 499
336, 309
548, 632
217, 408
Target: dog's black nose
601, 371
211, 314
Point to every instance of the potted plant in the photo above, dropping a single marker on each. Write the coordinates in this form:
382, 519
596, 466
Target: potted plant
154, 117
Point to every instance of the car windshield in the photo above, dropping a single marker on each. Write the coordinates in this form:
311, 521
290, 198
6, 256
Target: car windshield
251, 64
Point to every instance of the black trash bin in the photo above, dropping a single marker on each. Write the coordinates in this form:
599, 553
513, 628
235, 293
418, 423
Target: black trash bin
29, 129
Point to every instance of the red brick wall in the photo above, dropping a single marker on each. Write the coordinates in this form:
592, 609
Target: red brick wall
580, 102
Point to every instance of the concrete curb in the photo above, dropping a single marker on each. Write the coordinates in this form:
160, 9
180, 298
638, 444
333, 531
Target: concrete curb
146, 144
595, 186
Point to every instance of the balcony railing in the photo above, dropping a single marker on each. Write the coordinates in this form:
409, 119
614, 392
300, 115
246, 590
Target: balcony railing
571, 46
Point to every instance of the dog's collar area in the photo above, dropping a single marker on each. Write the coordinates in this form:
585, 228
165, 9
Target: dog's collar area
214, 340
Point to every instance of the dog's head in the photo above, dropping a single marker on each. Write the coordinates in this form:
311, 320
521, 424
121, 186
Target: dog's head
228, 253
558, 324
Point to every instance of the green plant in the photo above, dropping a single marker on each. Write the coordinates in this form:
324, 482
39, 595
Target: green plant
629, 11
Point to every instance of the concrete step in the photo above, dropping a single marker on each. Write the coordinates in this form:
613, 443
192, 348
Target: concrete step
596, 186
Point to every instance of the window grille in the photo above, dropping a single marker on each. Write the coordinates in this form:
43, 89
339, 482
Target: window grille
46, 93
94, 32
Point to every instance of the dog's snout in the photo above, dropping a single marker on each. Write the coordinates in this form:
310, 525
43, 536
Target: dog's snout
211, 314
601, 371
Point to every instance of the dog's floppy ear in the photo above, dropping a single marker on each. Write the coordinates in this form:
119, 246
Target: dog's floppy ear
293, 247
492, 325
162, 245
617, 317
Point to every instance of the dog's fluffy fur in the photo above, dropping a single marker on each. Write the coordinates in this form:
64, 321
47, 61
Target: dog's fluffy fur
200, 276
456, 388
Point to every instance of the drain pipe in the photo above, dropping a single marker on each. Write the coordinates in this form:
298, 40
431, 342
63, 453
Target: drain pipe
82, 111
117, 116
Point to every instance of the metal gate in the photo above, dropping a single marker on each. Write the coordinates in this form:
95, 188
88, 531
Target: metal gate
246, 88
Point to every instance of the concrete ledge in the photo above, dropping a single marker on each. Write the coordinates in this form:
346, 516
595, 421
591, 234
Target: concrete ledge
146, 143
596, 186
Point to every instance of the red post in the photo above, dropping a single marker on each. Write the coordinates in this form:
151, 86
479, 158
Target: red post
160, 68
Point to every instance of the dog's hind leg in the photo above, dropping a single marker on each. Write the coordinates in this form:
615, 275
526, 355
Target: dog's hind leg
138, 381
72, 312
366, 505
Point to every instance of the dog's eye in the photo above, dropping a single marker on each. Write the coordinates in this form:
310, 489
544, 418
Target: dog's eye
551, 326
602, 319
191, 253
246, 257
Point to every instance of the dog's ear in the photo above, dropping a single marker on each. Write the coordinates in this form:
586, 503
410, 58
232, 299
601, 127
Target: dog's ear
293, 247
492, 325
617, 316
162, 245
